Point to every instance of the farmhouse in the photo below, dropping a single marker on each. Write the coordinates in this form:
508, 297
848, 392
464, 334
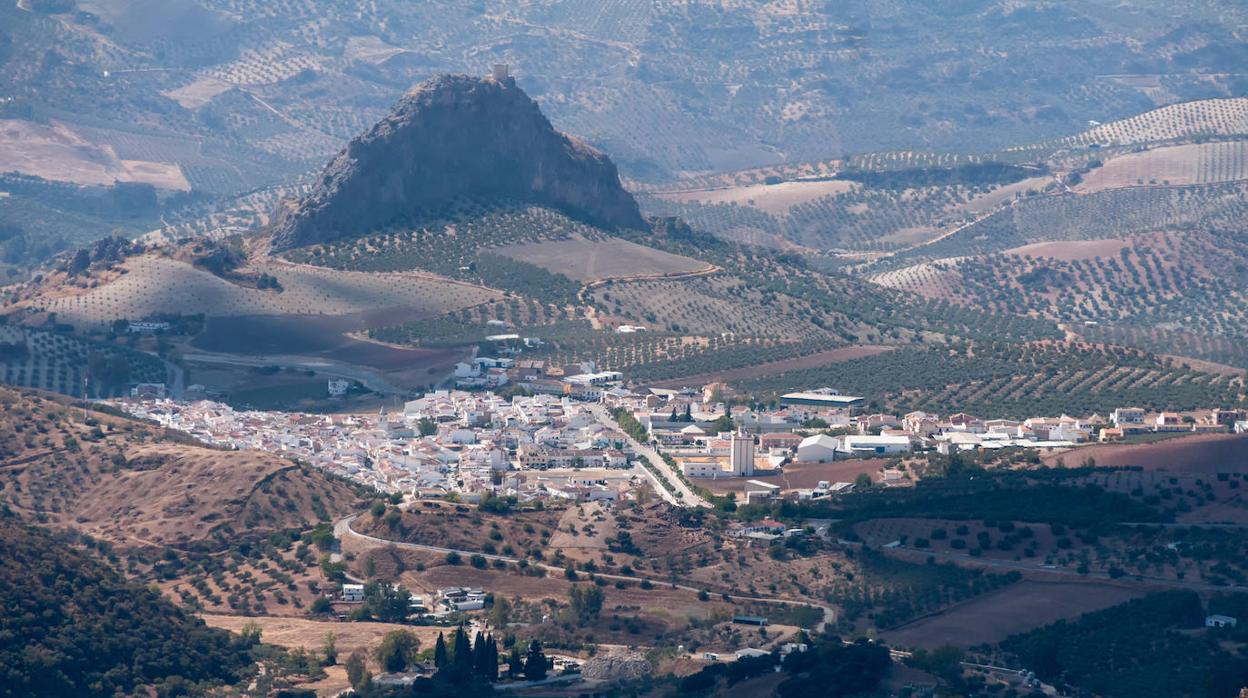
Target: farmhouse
1128, 415
462, 598
1218, 620
765, 528
353, 593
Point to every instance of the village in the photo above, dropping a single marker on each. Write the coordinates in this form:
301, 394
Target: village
563, 437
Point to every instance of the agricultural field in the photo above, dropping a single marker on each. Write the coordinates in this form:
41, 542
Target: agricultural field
1205, 117
153, 284
1013, 380
994, 616
596, 260
70, 365
55, 152
1194, 163
1204, 454
773, 199
1182, 283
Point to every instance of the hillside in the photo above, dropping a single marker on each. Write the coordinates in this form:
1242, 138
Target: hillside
74, 626
63, 465
454, 137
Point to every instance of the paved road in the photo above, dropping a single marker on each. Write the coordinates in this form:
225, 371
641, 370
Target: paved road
683, 495
342, 529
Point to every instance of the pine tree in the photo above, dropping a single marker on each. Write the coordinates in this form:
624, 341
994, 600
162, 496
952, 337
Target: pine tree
439, 652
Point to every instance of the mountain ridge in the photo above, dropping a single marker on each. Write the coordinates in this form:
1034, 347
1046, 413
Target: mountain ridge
453, 137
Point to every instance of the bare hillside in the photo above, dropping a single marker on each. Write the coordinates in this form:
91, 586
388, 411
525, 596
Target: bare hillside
136, 486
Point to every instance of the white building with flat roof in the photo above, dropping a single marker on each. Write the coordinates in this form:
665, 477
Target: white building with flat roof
880, 445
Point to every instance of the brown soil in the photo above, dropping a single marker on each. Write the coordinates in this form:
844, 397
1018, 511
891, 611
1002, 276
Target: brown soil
1200, 453
129, 484
1016, 608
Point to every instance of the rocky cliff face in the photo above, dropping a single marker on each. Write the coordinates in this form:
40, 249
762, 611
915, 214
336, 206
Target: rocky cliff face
455, 136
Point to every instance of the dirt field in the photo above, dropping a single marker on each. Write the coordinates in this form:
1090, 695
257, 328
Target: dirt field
1071, 250
1174, 165
1203, 453
998, 196
1014, 609
594, 260
823, 358
310, 634
775, 199
1193, 163
198, 93
801, 476
57, 153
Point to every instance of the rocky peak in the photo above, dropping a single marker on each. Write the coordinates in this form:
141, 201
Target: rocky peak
455, 136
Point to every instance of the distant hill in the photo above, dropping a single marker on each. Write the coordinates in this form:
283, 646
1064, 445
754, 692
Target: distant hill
455, 137
72, 626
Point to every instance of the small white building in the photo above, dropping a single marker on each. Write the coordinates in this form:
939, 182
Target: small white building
353, 593
1218, 620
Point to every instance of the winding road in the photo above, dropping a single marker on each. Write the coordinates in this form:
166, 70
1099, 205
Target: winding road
342, 529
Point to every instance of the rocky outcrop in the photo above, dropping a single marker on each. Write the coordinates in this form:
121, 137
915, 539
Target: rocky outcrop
455, 137
617, 666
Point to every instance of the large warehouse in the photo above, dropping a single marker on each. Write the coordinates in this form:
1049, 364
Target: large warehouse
819, 448
821, 399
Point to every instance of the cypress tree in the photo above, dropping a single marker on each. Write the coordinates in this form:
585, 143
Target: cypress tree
439, 652
491, 658
515, 665
462, 658
479, 653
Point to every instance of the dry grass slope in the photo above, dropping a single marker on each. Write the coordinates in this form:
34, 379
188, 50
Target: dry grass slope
131, 484
153, 284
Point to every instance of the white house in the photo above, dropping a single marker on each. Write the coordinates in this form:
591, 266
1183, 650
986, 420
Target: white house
1220, 621
353, 593
819, 448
